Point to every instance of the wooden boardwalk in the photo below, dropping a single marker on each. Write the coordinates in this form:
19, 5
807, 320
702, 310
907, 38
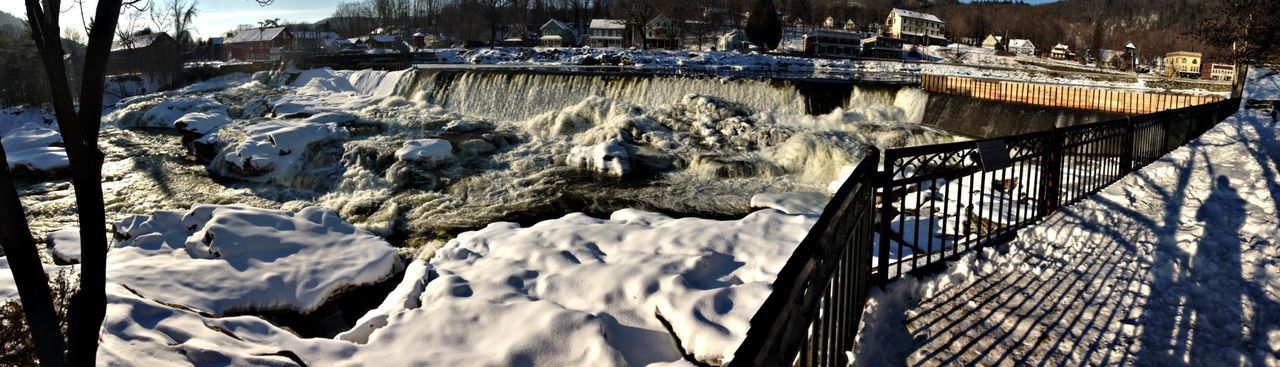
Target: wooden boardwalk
1062, 96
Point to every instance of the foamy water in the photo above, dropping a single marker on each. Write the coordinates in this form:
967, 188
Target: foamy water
525, 147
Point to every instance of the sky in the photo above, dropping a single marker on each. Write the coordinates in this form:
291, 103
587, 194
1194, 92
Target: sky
216, 16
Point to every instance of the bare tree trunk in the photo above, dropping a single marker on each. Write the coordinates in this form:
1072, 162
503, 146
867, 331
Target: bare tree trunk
28, 273
80, 136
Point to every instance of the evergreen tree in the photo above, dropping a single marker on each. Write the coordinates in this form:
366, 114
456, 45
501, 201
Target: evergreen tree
764, 29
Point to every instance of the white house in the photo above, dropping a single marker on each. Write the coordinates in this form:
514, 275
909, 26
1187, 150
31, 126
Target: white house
915, 27
608, 33
1022, 47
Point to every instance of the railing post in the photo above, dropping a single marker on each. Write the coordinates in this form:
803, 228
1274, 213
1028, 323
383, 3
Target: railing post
882, 182
1126, 149
1050, 170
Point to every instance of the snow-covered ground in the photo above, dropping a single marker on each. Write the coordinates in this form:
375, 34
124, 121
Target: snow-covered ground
31, 141
1175, 264
638, 288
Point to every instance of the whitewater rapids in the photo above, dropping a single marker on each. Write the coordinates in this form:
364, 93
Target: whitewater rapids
418, 156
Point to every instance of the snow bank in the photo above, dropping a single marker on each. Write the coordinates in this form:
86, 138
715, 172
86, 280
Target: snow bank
221, 259
569, 291
65, 245
34, 148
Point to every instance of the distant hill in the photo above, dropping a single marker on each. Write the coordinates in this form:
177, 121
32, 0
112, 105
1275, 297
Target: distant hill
11, 24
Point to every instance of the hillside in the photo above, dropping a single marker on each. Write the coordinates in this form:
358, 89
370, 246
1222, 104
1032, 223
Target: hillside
10, 24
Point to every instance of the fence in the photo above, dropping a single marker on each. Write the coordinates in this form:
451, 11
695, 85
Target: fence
1062, 96
927, 204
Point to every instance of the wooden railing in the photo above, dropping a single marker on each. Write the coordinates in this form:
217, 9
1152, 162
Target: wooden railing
1127, 102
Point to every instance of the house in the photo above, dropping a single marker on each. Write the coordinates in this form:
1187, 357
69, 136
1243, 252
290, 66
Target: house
881, 47
1218, 72
1022, 47
833, 43
849, 25
1182, 64
558, 34
315, 41
519, 35
258, 44
145, 53
661, 32
915, 27
608, 33
830, 22
1061, 52
993, 42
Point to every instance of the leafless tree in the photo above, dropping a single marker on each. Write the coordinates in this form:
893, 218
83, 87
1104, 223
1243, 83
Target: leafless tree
80, 130
176, 16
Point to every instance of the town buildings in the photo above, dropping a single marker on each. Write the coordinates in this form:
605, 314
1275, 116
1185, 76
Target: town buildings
608, 33
145, 53
558, 34
1061, 52
1022, 47
1182, 64
915, 27
1218, 72
993, 42
258, 44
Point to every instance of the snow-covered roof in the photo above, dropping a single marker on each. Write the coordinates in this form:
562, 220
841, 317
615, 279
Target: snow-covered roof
608, 24
139, 41
551, 38
1061, 47
1021, 43
257, 34
557, 23
916, 15
1130, 45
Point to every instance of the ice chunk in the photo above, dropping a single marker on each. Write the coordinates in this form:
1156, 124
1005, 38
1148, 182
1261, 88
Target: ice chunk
432, 152
608, 158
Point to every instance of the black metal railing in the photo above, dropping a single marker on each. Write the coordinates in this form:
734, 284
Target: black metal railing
927, 204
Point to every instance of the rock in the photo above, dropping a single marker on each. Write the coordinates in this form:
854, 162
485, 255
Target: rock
477, 147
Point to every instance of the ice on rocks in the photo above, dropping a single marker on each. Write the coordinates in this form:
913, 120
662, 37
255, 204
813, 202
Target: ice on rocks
432, 152
608, 158
272, 150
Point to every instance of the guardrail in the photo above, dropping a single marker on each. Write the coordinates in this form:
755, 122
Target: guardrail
928, 204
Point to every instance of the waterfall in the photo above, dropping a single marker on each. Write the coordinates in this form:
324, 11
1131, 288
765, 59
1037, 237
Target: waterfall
520, 96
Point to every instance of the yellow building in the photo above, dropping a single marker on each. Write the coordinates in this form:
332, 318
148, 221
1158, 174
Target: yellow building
1182, 64
915, 27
